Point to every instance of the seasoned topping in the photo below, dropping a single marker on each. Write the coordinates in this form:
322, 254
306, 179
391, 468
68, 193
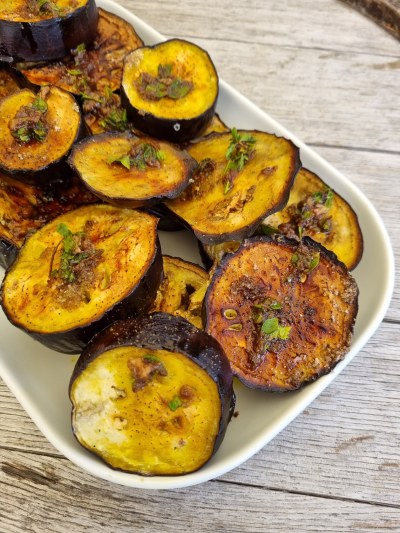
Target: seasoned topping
106, 109
47, 7
29, 123
311, 215
144, 370
303, 261
239, 151
164, 85
141, 156
78, 256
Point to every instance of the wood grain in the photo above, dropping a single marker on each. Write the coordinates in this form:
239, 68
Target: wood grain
331, 76
384, 12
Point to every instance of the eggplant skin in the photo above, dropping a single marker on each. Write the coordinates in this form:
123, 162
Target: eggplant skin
48, 39
162, 331
68, 328
283, 312
176, 120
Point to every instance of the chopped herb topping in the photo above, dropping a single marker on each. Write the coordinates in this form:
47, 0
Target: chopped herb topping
115, 120
311, 215
274, 330
175, 403
304, 261
144, 369
239, 151
29, 123
141, 156
46, 6
75, 250
164, 85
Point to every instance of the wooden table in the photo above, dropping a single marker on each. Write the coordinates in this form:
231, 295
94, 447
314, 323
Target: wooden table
332, 77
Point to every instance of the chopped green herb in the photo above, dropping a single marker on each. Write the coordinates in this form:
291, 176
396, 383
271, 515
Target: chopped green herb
152, 358
116, 120
69, 256
28, 124
40, 104
74, 72
143, 156
164, 85
274, 330
238, 153
80, 48
125, 160
175, 403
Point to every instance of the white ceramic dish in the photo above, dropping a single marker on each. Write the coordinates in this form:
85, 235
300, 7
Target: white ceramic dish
39, 377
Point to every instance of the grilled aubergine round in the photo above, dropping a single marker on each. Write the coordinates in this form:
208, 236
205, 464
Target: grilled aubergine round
152, 395
131, 171
92, 68
282, 311
242, 177
170, 89
317, 211
37, 131
80, 272
44, 31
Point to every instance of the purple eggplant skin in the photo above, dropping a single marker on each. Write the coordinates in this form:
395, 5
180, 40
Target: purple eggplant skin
49, 39
139, 300
162, 331
175, 131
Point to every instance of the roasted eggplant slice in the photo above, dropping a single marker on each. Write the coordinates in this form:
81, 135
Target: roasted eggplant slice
282, 311
38, 30
37, 131
131, 171
90, 68
152, 395
170, 89
25, 208
80, 272
242, 177
317, 211
182, 290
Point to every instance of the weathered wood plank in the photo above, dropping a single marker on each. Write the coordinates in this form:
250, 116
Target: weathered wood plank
268, 22
79, 503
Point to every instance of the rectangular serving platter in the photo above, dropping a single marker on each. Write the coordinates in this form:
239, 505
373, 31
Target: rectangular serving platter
39, 377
